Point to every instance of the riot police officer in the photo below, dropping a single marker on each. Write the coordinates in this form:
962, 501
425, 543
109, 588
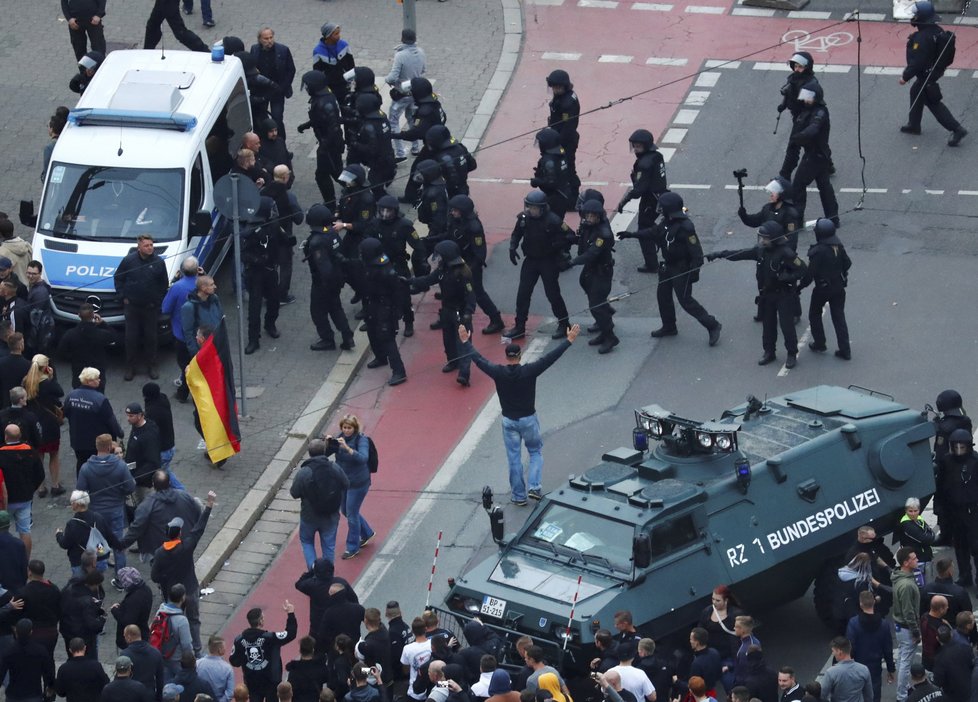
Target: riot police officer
802, 67
260, 88
565, 110
321, 250
373, 146
553, 175
324, 118
780, 209
382, 299
363, 83
465, 229
433, 204
781, 269
428, 112
828, 268
259, 254
396, 233
925, 70
595, 252
960, 485
810, 129
542, 236
452, 157
682, 258
357, 219
457, 304
648, 182
950, 416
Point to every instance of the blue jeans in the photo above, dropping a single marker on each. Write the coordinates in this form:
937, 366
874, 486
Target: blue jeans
358, 529
166, 457
906, 648
404, 106
117, 522
326, 527
101, 566
206, 15
527, 431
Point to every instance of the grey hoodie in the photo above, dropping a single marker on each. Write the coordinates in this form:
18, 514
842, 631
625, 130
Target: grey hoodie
409, 62
180, 630
108, 481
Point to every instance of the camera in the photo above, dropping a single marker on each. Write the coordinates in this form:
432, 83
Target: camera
441, 683
332, 445
740, 173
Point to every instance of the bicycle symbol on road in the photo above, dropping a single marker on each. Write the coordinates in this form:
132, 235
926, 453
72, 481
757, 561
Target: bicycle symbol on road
804, 41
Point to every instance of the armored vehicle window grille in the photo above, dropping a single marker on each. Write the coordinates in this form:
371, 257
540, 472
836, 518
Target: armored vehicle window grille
673, 535
781, 430
593, 538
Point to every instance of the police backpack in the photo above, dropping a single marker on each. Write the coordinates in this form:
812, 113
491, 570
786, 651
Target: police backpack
944, 45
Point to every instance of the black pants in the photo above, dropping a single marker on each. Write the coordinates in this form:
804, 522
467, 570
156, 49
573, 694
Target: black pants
933, 100
837, 308
814, 167
791, 155
183, 359
262, 285
647, 214
87, 32
325, 303
326, 171
779, 308
384, 346
481, 296
142, 333
380, 179
533, 269
672, 282
81, 457
169, 11
597, 286
284, 256
262, 690
964, 530
449, 319
276, 108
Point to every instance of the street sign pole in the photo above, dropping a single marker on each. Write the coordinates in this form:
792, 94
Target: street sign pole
239, 275
410, 21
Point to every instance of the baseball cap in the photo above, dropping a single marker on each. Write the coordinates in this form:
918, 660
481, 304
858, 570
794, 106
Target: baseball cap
917, 670
513, 350
5, 263
176, 522
123, 663
4, 519
134, 408
171, 691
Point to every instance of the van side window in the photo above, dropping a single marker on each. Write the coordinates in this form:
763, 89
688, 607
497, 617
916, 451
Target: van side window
197, 185
238, 117
673, 535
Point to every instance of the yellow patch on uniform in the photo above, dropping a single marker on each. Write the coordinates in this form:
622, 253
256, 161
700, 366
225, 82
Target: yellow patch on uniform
638, 175
468, 287
565, 227
364, 214
791, 227
692, 239
477, 241
565, 116
414, 234
797, 261
599, 242
434, 207
916, 46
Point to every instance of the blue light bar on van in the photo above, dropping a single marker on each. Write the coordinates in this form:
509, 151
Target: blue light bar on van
101, 117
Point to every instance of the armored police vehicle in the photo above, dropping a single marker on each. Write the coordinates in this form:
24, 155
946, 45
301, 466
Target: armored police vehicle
758, 500
139, 154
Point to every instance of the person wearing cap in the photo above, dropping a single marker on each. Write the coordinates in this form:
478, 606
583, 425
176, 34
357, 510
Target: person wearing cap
9, 274
123, 688
135, 607
173, 563
141, 281
516, 387
409, 62
143, 447
810, 130
149, 525
89, 414
922, 689
169, 11
332, 56
923, 56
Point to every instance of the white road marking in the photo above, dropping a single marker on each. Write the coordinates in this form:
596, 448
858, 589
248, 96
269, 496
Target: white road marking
768, 66
657, 61
606, 4
952, 73
685, 116
752, 12
555, 3
707, 79
690, 186
560, 56
934, 192
808, 14
720, 63
832, 68
705, 10
651, 7
614, 58
667, 153
697, 97
521, 181
746, 187
968, 192
966, 20
882, 71
673, 136
486, 180
906, 191
875, 191
872, 16
594, 183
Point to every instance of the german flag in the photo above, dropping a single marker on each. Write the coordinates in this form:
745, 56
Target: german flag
210, 377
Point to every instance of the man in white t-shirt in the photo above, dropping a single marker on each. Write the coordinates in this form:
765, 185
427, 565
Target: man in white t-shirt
633, 679
415, 655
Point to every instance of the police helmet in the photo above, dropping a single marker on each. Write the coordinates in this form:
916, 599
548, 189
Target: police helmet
364, 77
949, 400
961, 436
368, 103
91, 61
812, 90
232, 45
353, 174
586, 195
770, 230
536, 198
372, 251
803, 59
824, 228
428, 171
670, 203
438, 137
923, 12
420, 88
780, 186
592, 207
462, 203
319, 216
449, 253
559, 77
548, 140
388, 208
313, 81
643, 137
248, 63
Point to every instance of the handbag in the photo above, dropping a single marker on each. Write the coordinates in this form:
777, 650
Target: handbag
96, 540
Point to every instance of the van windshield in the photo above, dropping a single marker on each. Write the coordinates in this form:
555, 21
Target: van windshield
102, 203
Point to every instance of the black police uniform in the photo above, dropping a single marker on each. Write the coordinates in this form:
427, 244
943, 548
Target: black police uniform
395, 235
810, 130
786, 214
542, 240
259, 253
828, 269
553, 174
373, 147
789, 101
960, 486
452, 157
564, 115
595, 251
322, 251
682, 258
467, 232
169, 11
382, 299
922, 53
951, 417
428, 112
648, 178
433, 205
364, 83
358, 208
457, 305
324, 118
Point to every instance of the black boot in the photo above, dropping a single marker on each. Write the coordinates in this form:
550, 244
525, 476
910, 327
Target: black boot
610, 342
517, 331
495, 325
768, 357
408, 329
252, 347
597, 341
561, 332
662, 331
323, 345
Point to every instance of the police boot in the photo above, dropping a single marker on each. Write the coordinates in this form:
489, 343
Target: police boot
517, 331
377, 363
323, 345
715, 334
348, 343
495, 325
408, 329
594, 328
610, 342
597, 341
435, 325
648, 269
768, 357
561, 332
252, 347
663, 331
959, 134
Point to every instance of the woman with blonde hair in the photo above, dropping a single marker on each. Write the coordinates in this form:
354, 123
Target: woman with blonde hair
44, 400
352, 449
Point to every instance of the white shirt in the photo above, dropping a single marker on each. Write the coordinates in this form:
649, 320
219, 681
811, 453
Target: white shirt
415, 655
635, 681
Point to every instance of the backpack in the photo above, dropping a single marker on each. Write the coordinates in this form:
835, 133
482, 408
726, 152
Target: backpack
944, 48
326, 495
40, 336
96, 541
372, 459
161, 635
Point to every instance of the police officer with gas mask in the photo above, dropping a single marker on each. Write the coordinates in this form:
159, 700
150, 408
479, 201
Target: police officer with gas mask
828, 269
396, 233
542, 237
960, 485
465, 229
595, 252
648, 182
810, 130
553, 174
950, 416
326, 123
433, 203
322, 251
452, 157
373, 147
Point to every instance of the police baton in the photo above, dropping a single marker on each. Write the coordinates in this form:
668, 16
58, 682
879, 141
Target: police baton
776, 123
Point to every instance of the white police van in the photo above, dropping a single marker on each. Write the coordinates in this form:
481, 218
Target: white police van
141, 152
